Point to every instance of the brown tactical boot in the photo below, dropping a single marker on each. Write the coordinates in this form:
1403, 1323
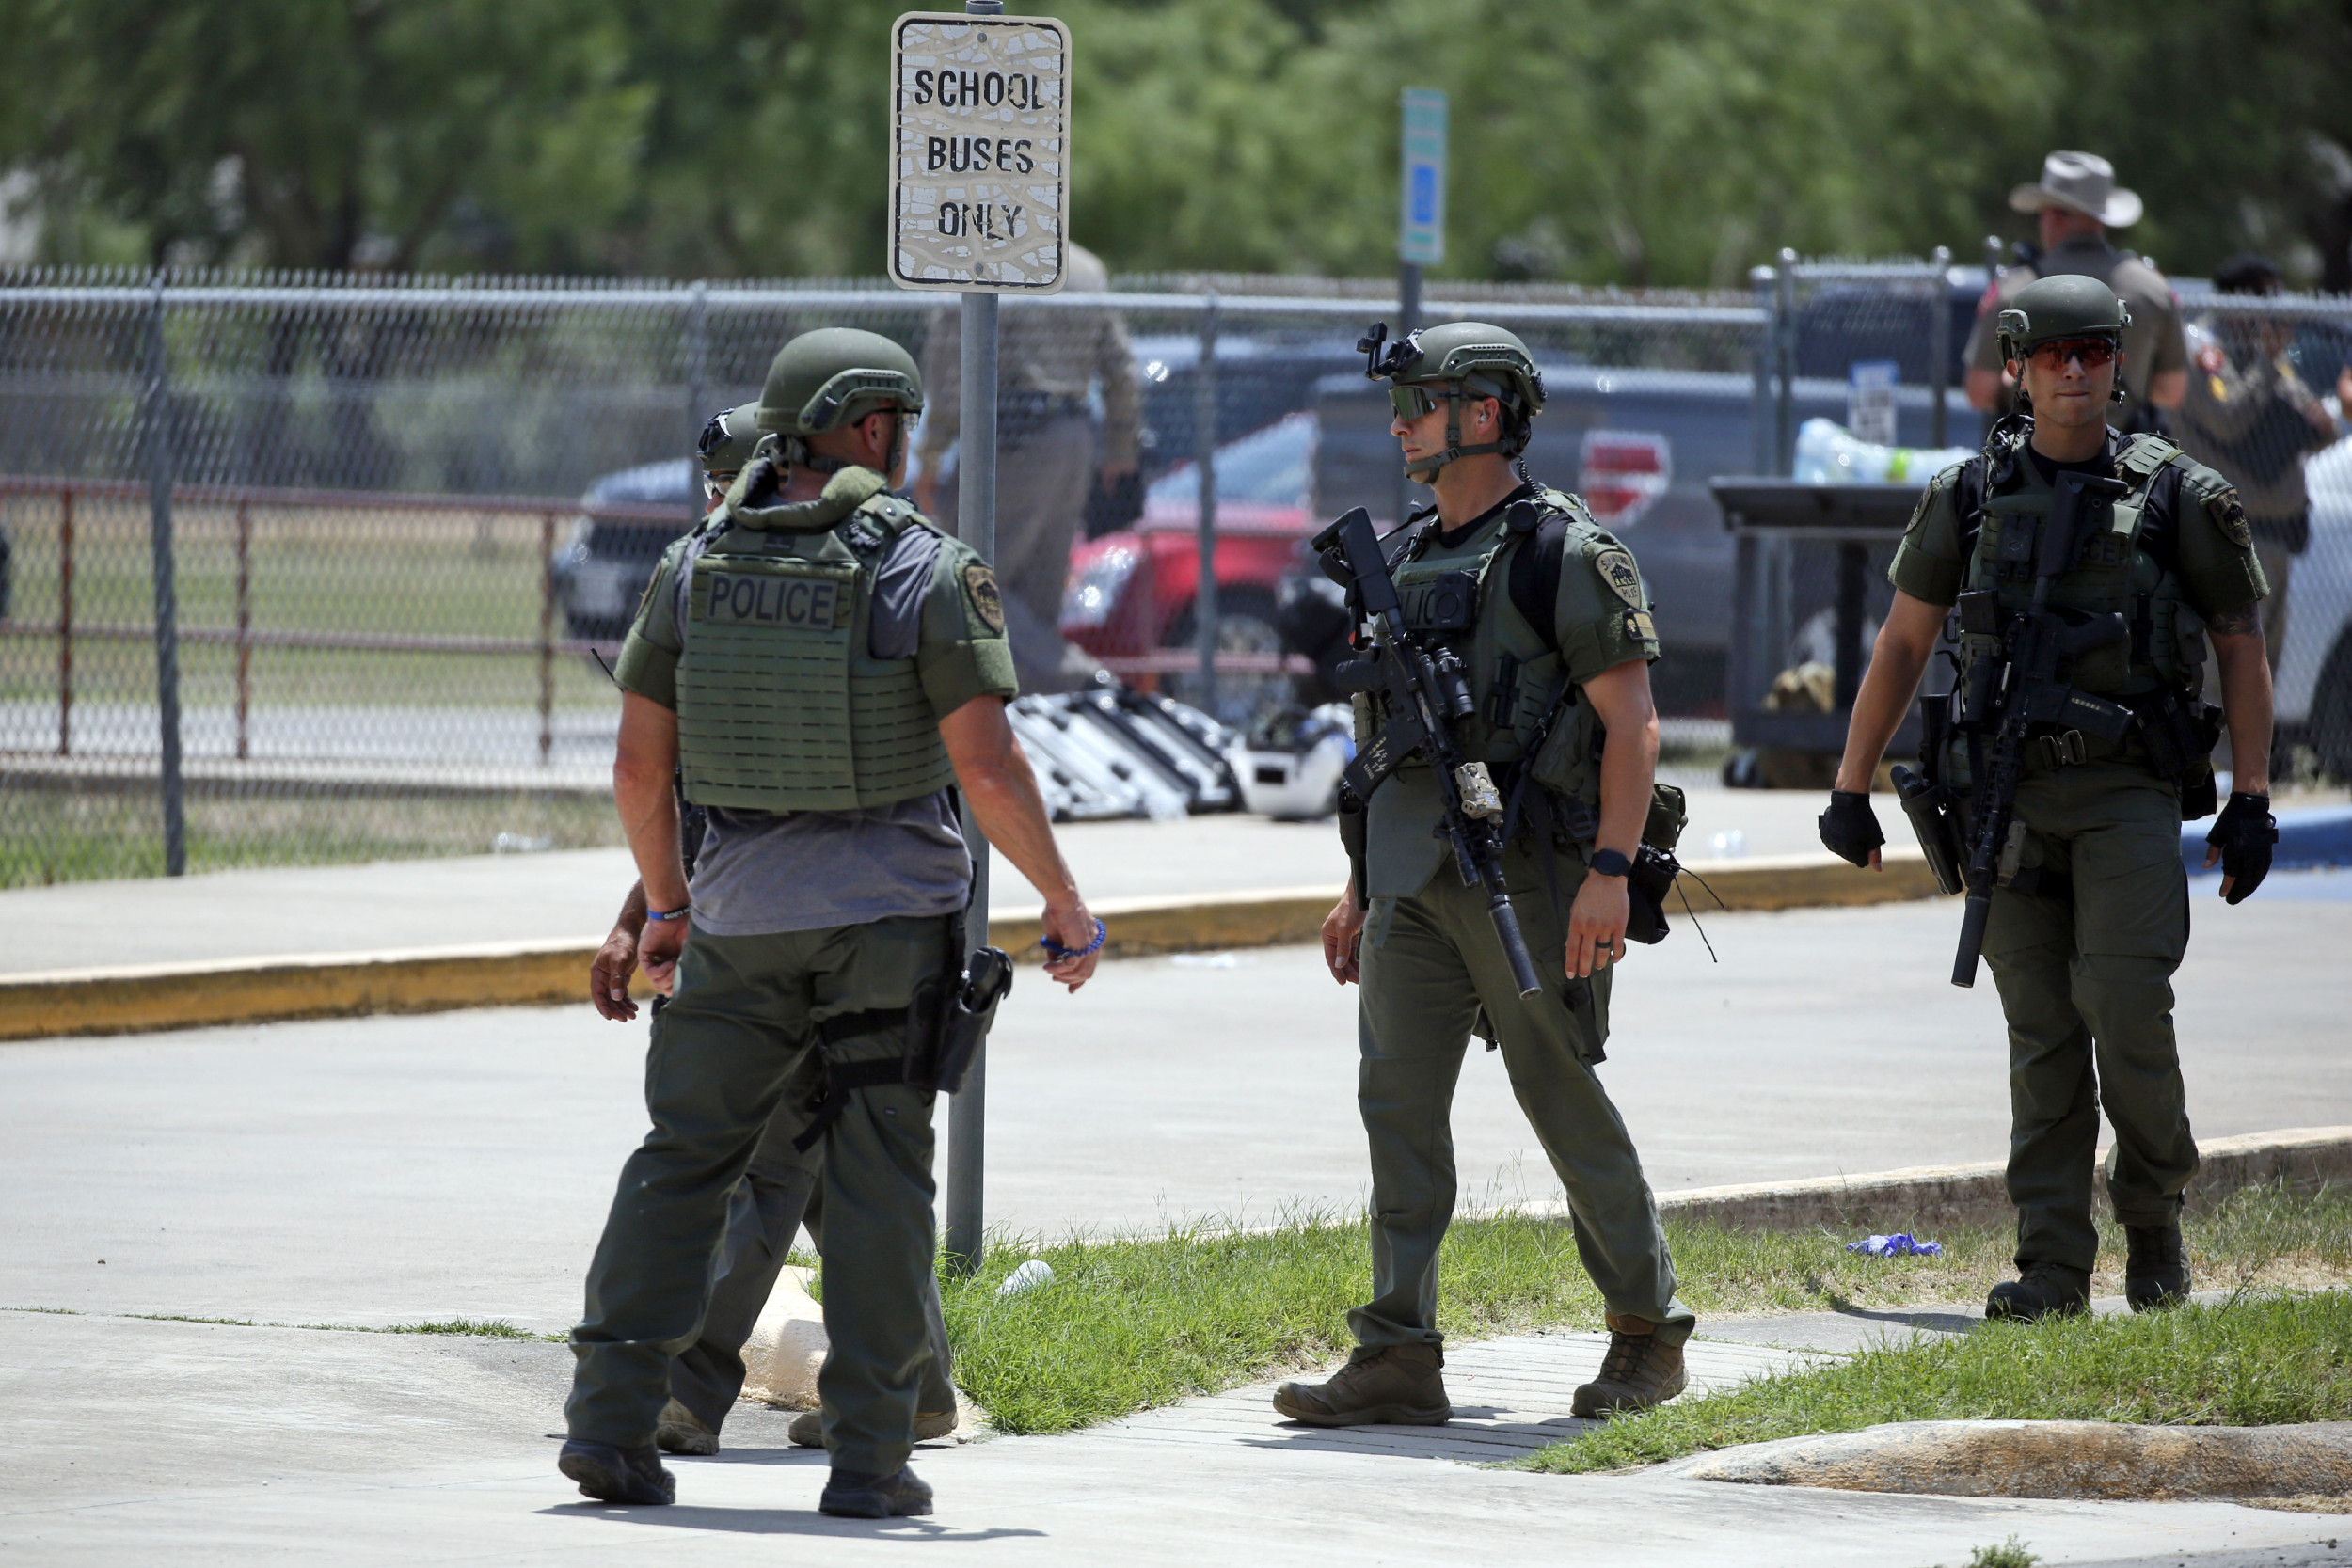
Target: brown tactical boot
808, 1427
682, 1432
1637, 1374
1383, 1384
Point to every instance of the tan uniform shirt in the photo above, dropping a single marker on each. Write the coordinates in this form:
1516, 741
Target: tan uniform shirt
2152, 344
2249, 415
1057, 356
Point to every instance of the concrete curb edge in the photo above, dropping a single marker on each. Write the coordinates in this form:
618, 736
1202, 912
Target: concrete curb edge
130, 998
1927, 1196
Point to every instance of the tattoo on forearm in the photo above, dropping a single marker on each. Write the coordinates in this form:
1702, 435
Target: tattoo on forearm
2236, 622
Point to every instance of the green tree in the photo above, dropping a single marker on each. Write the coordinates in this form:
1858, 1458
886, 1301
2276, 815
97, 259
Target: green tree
1607, 141
316, 133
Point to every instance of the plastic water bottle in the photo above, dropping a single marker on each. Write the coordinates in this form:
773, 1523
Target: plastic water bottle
1828, 453
1028, 1276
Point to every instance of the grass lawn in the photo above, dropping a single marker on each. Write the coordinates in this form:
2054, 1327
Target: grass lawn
2254, 1362
1145, 1320
50, 835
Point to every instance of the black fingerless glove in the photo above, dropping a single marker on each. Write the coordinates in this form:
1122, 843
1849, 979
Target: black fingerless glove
2245, 833
1850, 828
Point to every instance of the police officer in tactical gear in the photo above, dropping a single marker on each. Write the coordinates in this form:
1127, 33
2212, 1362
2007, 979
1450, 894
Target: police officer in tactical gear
778, 1194
2074, 205
1556, 631
821, 664
2090, 914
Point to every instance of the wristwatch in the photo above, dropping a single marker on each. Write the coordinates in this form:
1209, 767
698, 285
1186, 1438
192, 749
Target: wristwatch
1610, 862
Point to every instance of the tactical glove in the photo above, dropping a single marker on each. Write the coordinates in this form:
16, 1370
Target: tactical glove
2244, 833
1850, 828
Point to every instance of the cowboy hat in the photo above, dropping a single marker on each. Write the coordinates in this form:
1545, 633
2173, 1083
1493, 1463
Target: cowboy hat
2080, 182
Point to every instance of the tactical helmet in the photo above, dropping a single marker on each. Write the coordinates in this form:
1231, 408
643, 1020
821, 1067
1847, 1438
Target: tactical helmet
1471, 358
823, 380
2067, 305
727, 441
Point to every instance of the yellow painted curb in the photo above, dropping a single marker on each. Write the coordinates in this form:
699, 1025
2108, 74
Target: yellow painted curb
136, 999
1810, 881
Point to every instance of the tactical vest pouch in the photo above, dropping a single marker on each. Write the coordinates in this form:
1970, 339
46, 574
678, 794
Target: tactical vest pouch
1646, 888
2105, 666
2179, 736
1568, 762
1668, 817
1655, 868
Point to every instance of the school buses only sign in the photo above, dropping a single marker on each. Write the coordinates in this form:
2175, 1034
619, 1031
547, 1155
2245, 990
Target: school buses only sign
979, 170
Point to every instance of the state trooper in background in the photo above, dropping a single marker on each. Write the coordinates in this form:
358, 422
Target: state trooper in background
1053, 364
2075, 203
2249, 414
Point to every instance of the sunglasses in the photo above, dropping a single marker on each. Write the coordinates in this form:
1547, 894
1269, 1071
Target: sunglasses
1411, 402
2094, 353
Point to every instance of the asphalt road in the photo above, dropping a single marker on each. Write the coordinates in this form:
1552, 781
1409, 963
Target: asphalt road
392, 1170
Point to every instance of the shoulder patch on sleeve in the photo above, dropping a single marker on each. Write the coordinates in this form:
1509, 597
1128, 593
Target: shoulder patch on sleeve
988, 602
1616, 568
2229, 514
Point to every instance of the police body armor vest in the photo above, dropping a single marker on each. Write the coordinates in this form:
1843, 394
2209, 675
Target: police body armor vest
1462, 595
780, 707
2113, 572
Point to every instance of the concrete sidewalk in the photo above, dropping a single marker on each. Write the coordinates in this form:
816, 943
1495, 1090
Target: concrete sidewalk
573, 895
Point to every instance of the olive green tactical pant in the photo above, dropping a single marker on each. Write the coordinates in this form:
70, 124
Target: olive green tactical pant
738, 1041
2084, 971
1429, 963
779, 1195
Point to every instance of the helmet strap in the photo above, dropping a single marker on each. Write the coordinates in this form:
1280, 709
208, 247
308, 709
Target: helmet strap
1425, 470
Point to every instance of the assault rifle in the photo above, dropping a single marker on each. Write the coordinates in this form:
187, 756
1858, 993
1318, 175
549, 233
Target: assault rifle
2008, 691
1428, 693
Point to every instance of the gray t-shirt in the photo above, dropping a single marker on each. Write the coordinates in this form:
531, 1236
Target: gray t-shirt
759, 872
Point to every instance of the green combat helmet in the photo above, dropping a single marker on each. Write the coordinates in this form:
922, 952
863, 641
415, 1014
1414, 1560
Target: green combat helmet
2067, 305
823, 380
1471, 359
728, 443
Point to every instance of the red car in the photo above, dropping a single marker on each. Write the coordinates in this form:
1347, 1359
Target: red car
1130, 599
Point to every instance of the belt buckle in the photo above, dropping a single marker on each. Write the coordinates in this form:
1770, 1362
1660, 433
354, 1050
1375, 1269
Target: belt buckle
2065, 749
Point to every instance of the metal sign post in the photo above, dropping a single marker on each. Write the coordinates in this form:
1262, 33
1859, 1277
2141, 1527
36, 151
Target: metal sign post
1420, 219
980, 184
159, 478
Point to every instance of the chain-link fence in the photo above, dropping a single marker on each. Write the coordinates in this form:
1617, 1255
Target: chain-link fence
393, 524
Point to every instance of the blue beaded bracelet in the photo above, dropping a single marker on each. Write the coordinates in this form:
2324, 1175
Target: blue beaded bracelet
1055, 950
